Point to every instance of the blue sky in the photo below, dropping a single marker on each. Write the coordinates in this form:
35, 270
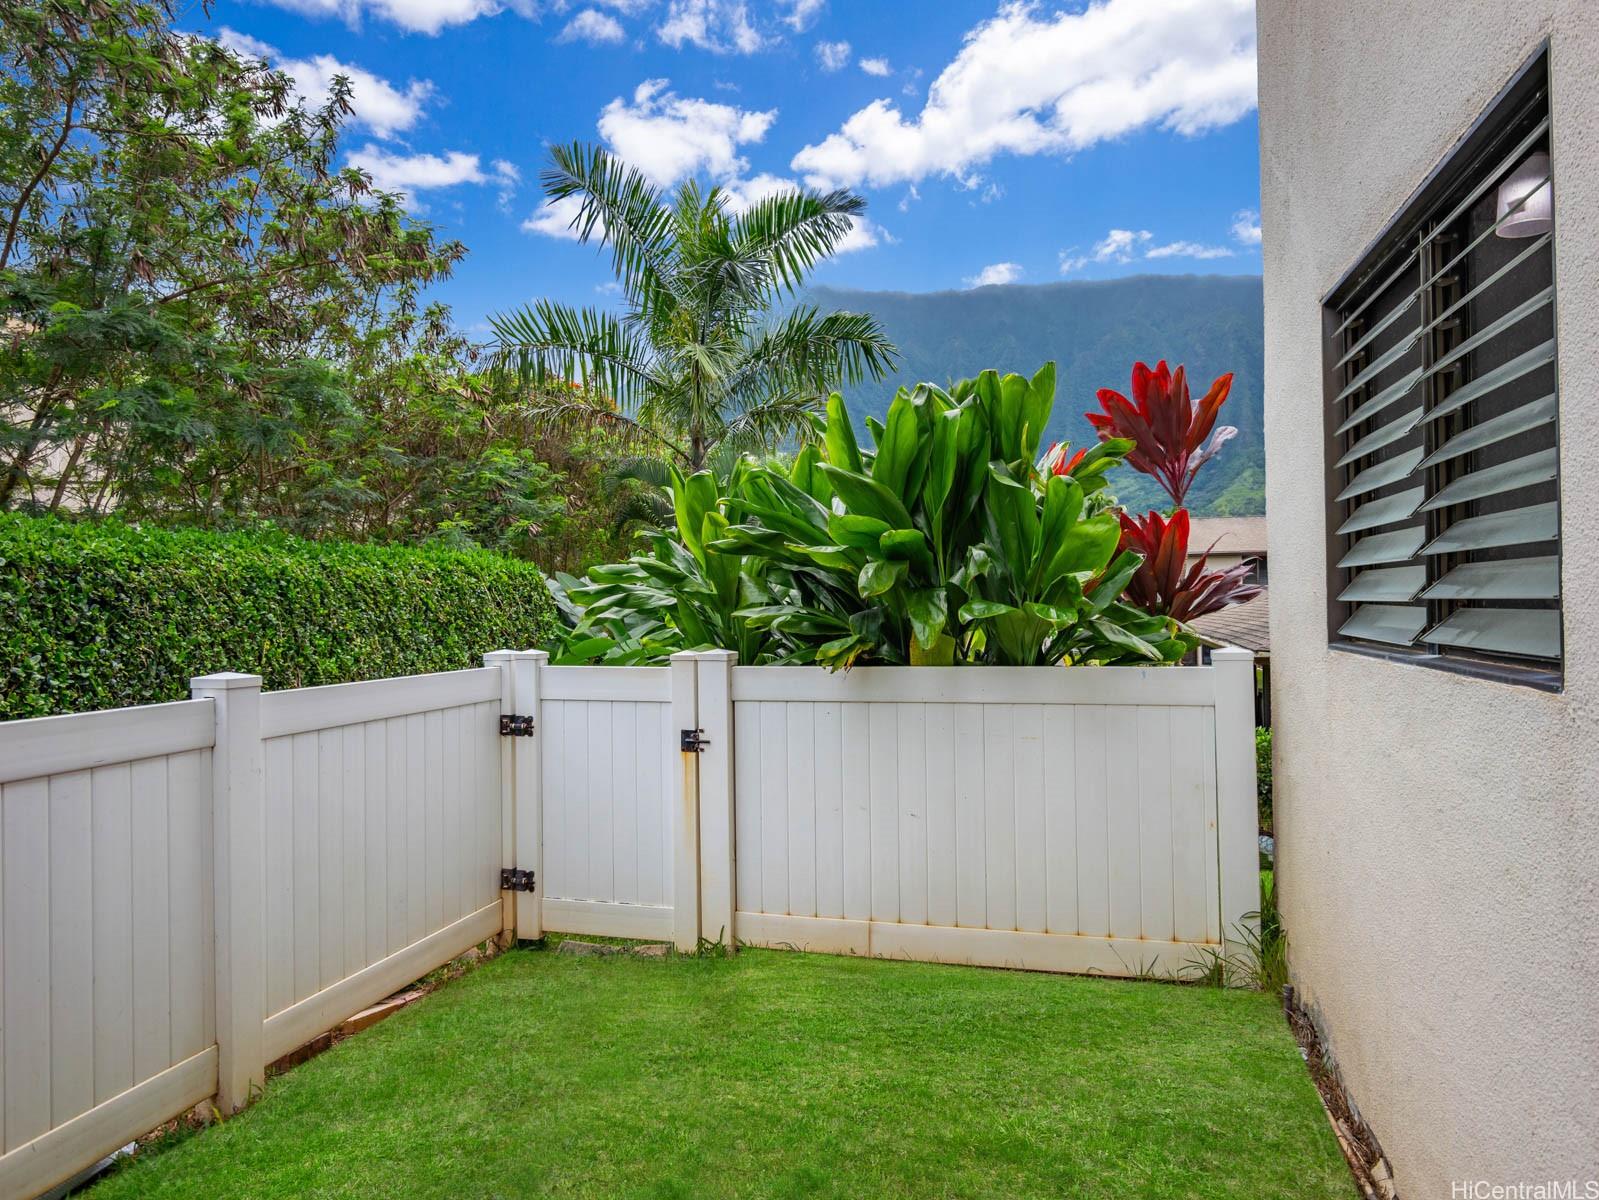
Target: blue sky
1000, 143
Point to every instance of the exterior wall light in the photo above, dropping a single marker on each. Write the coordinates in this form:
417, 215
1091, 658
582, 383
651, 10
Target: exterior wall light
1532, 180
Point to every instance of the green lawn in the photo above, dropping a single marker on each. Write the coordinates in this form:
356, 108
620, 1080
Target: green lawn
780, 1074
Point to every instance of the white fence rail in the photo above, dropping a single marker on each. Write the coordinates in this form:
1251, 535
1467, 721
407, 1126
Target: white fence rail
189, 891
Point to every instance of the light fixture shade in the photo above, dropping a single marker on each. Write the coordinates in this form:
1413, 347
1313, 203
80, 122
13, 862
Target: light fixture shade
1532, 180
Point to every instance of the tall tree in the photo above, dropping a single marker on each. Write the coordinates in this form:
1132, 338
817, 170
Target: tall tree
699, 359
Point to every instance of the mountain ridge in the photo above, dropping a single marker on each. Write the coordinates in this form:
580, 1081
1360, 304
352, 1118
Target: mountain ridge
1094, 330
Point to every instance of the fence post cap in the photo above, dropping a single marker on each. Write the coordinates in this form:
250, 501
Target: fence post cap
495, 657
716, 655
223, 681
1231, 654
685, 656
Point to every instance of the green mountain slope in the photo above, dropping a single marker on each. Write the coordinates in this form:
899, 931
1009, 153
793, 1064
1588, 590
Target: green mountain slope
1094, 331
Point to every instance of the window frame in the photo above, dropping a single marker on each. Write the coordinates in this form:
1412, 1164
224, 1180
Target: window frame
1466, 163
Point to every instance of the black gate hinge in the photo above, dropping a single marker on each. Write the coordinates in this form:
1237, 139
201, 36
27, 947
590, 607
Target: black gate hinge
693, 741
516, 725
514, 879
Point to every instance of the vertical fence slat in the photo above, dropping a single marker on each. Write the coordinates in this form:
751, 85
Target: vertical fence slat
1121, 824
527, 667
1093, 805
113, 931
829, 749
306, 892
26, 896
1190, 835
747, 806
883, 764
940, 804
330, 857
774, 809
278, 771
912, 812
855, 721
999, 787
971, 851
152, 928
799, 726
413, 883
623, 752
449, 850
376, 821
1060, 818
602, 827
352, 803
71, 995
1028, 765
1156, 863
189, 845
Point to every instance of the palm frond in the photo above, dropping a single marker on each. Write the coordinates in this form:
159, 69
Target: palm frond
766, 426
623, 209
549, 344
813, 352
793, 231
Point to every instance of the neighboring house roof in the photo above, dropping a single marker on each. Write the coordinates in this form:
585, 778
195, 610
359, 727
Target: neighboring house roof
1242, 536
1245, 625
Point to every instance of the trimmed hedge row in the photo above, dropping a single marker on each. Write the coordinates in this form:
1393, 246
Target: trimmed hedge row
100, 614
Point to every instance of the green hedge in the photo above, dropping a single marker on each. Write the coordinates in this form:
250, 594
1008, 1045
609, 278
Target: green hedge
101, 614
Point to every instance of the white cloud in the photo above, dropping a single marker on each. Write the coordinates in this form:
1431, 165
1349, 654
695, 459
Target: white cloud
668, 137
1246, 226
419, 16
802, 14
877, 66
594, 27
995, 273
720, 26
378, 105
554, 219
834, 56
1117, 246
409, 174
1188, 250
1029, 83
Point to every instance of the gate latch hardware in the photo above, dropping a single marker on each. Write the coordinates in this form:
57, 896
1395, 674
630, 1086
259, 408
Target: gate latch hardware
514, 879
693, 741
516, 725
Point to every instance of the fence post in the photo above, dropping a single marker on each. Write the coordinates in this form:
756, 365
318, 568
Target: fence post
521, 802
1238, 833
714, 679
686, 821
238, 833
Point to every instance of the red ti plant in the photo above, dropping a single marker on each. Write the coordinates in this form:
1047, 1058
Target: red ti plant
1167, 427
1162, 585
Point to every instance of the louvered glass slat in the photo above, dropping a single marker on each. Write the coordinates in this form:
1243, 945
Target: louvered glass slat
1369, 408
1406, 265
1501, 579
1391, 584
1395, 624
1526, 632
1398, 546
1537, 245
1540, 467
1519, 526
1509, 372
1383, 511
1487, 334
1507, 425
1383, 435
1380, 364
1381, 474
1377, 329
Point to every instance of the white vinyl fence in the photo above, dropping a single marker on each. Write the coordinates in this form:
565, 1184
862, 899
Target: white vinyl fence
189, 891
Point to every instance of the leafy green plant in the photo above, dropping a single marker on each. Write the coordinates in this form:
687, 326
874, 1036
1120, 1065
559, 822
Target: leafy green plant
98, 614
942, 543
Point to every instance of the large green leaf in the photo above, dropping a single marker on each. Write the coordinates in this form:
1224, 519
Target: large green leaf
928, 609
842, 449
865, 496
880, 575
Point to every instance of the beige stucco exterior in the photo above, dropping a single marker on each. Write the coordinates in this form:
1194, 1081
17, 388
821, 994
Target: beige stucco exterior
1438, 835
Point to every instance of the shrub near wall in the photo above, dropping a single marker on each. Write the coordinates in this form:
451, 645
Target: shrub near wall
101, 615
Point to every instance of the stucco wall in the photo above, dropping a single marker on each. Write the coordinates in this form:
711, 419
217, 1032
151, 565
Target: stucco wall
1438, 835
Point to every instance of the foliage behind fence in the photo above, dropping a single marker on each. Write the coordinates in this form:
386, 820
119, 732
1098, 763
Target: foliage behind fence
101, 615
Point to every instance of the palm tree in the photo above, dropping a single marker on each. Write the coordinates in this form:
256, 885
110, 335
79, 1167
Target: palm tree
698, 360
